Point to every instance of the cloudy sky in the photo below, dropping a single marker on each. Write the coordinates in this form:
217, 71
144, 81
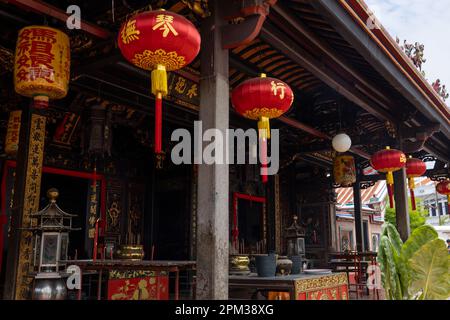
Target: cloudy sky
424, 21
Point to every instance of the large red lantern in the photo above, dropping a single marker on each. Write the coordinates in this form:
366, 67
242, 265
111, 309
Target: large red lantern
159, 41
414, 168
262, 99
388, 161
443, 188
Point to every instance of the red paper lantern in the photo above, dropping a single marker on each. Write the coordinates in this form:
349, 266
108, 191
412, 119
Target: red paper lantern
388, 161
262, 99
414, 168
159, 41
443, 188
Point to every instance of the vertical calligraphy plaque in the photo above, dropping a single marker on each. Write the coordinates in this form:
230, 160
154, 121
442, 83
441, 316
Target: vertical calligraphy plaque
31, 203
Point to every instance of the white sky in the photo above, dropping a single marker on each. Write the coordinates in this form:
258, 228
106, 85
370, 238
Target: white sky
423, 21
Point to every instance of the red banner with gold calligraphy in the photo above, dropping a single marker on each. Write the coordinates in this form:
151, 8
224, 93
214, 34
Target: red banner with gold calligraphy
138, 285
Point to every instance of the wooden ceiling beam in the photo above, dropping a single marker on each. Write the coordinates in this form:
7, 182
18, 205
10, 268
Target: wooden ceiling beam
47, 9
300, 29
299, 55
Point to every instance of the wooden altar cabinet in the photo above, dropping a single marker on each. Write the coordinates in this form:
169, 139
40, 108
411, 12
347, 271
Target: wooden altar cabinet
294, 287
128, 273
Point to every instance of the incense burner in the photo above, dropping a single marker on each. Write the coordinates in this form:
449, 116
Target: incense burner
239, 264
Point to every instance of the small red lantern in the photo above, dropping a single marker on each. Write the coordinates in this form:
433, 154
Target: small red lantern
159, 41
388, 161
443, 188
414, 168
262, 99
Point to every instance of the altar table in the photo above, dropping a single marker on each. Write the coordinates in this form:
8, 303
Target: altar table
332, 286
127, 276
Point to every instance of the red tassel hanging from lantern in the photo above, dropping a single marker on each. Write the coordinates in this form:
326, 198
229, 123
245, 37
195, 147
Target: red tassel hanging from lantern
159, 41
443, 188
388, 161
262, 99
414, 168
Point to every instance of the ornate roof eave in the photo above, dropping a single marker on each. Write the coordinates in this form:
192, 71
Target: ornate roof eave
49, 208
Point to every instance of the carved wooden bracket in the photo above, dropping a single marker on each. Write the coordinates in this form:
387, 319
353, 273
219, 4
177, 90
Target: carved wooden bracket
246, 18
419, 136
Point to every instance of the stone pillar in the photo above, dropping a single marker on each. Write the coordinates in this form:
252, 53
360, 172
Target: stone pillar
27, 188
401, 204
213, 194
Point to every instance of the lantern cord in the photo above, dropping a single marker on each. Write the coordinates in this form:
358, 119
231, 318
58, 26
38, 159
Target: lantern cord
391, 197
390, 184
263, 157
158, 124
159, 89
413, 199
448, 202
411, 191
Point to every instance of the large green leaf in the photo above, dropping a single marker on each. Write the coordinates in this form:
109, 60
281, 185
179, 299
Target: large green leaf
381, 259
389, 270
416, 240
430, 271
394, 237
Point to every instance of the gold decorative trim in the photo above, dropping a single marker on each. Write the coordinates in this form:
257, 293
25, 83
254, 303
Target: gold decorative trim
148, 60
324, 282
130, 274
257, 113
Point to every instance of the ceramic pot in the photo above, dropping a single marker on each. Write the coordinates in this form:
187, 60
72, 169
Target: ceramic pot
284, 266
296, 264
266, 266
239, 264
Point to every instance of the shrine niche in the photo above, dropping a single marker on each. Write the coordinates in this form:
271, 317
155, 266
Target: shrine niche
135, 210
114, 205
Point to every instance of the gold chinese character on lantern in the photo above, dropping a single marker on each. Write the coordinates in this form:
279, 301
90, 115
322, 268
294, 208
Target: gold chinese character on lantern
164, 23
129, 33
278, 86
192, 92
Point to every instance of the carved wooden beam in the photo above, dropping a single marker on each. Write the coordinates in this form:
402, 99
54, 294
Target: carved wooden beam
246, 20
47, 9
419, 135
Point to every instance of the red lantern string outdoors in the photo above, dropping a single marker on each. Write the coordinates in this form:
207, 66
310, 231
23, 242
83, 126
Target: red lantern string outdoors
443, 188
414, 168
388, 161
262, 99
159, 41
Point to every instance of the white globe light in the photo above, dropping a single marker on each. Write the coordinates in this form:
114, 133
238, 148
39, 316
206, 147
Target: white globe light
341, 143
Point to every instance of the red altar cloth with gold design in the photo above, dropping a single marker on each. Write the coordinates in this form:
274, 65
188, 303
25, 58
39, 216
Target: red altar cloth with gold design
326, 287
138, 285
333, 286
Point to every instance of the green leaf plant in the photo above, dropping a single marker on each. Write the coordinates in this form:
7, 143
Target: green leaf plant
417, 269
